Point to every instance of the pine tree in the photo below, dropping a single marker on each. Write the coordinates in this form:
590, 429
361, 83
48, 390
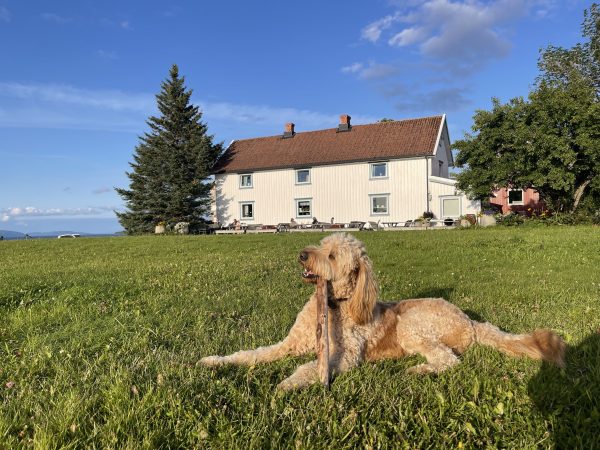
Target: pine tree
172, 162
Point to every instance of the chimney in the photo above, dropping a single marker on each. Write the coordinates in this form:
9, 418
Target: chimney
344, 123
289, 130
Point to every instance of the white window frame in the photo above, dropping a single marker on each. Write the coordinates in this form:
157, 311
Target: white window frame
450, 197
380, 177
387, 204
251, 185
302, 170
297, 201
521, 203
242, 218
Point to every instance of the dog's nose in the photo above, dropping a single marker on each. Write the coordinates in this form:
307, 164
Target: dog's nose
303, 255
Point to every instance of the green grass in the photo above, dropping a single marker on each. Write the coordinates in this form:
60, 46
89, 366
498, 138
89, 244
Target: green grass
101, 338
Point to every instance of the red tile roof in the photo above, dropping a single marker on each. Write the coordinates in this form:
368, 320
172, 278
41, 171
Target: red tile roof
377, 141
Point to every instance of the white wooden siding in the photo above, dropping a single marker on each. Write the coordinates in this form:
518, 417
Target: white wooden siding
339, 191
442, 187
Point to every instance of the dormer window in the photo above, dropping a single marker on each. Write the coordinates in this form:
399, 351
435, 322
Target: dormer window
246, 180
303, 176
379, 170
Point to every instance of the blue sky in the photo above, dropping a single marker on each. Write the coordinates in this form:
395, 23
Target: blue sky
78, 79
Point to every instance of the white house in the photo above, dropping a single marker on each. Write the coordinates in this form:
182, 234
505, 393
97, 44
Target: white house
387, 171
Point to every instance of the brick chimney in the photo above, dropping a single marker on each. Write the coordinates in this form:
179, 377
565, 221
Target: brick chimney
344, 123
289, 130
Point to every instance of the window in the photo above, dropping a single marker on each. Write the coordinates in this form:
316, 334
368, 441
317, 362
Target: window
515, 197
379, 204
450, 207
303, 176
379, 170
304, 207
246, 180
247, 210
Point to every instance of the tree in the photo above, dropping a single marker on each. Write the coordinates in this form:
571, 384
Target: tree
172, 162
559, 65
551, 141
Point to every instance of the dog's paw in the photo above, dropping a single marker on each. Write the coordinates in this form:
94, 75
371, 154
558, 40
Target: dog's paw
211, 361
287, 385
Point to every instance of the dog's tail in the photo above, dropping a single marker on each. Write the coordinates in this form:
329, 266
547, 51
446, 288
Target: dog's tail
541, 344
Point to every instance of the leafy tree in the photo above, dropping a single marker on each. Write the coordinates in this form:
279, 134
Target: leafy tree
560, 65
169, 180
551, 141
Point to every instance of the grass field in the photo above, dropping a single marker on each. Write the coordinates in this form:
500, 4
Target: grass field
99, 340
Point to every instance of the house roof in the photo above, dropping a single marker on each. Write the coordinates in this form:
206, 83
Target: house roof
377, 141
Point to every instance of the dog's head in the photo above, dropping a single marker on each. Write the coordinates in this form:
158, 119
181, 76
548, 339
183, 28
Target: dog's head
342, 260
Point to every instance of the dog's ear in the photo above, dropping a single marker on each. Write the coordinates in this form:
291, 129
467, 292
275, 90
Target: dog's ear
364, 296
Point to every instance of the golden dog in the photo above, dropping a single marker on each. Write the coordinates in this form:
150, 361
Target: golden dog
363, 329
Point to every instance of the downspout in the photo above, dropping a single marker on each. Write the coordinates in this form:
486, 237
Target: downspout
427, 159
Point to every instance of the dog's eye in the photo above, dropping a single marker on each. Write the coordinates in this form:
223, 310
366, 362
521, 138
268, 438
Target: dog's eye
331, 256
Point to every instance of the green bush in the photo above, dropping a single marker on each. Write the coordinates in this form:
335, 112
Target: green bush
509, 220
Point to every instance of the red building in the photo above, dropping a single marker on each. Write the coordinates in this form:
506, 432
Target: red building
517, 200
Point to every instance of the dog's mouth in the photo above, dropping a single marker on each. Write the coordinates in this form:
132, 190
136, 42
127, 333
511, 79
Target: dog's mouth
309, 275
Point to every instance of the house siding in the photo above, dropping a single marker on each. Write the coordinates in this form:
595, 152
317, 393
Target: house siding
339, 191
531, 200
440, 187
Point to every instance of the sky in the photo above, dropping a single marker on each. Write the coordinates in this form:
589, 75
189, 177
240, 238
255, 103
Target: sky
78, 79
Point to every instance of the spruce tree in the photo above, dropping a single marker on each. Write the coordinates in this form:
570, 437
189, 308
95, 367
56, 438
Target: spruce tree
172, 162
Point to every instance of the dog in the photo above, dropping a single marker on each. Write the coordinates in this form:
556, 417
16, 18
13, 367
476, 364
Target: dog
363, 329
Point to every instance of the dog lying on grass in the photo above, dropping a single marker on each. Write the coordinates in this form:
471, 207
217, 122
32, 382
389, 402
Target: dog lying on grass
363, 329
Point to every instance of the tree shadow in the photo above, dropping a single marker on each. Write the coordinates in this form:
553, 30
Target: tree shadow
222, 203
570, 398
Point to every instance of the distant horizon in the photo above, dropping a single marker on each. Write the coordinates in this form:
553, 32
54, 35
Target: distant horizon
47, 225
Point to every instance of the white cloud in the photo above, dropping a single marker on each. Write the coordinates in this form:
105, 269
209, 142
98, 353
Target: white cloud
376, 71
5, 15
125, 24
269, 115
109, 55
465, 33
371, 71
68, 107
54, 93
408, 36
372, 32
352, 68
31, 211
56, 18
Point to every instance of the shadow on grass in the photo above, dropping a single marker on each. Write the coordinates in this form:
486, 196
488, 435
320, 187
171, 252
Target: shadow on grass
443, 292
570, 398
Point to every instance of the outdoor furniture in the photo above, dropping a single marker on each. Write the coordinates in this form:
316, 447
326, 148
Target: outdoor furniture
375, 226
283, 226
356, 224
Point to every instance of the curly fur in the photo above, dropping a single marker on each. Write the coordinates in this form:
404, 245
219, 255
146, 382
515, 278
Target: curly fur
362, 329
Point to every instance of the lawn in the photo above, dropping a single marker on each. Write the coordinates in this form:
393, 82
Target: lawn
99, 340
